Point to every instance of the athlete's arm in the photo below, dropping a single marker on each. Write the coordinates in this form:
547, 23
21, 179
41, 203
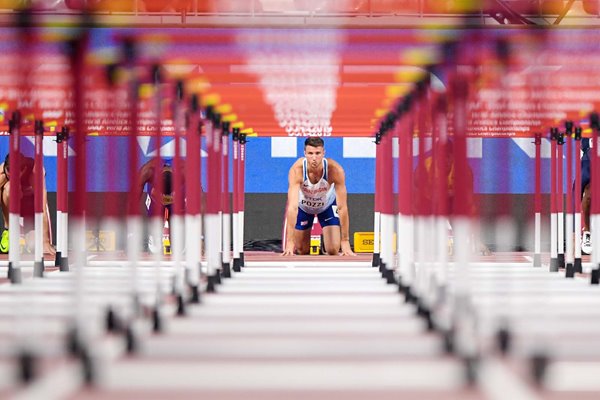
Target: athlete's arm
294, 182
3, 182
341, 194
146, 174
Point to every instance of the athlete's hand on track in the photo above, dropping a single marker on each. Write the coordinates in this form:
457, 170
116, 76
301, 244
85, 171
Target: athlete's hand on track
346, 249
289, 250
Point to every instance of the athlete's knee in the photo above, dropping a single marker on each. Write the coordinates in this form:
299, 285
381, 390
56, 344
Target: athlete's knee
332, 249
303, 250
6, 191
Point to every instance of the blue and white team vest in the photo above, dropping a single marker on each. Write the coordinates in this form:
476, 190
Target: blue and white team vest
315, 198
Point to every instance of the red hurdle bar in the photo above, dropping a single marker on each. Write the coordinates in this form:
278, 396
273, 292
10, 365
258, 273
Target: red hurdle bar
62, 199
225, 203
134, 221
38, 199
156, 215
177, 227
235, 132
569, 254
440, 186
241, 194
14, 203
577, 199
377, 205
595, 201
193, 165
537, 255
212, 220
560, 201
405, 197
387, 205
553, 202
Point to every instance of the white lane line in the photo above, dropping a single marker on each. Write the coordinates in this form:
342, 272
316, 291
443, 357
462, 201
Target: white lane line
498, 383
573, 376
149, 375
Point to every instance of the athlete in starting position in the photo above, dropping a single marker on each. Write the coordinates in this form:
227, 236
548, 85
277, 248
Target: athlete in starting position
586, 196
26, 176
317, 186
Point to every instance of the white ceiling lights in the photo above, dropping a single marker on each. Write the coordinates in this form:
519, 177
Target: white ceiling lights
298, 72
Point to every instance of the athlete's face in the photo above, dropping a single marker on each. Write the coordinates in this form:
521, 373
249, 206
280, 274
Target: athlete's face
314, 155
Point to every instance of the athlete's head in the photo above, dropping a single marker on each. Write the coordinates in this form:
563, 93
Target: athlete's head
314, 151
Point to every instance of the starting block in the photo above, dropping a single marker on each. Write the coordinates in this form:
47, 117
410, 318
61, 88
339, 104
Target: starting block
315, 244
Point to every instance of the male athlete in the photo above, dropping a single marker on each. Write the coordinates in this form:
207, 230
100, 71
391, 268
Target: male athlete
159, 195
317, 186
27, 205
586, 196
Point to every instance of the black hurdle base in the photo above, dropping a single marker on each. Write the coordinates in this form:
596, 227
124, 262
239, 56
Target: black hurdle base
448, 337
503, 340
64, 264
194, 294
561, 261
595, 276
38, 269
553, 265
538, 367
73, 342
376, 260
409, 297
578, 266
211, 285
112, 321
27, 366
471, 365
157, 324
382, 268
14, 274
236, 265
389, 277
57, 258
181, 309
217, 277
425, 312
537, 260
88, 370
78, 350
570, 271
242, 260
401, 285
226, 268
131, 342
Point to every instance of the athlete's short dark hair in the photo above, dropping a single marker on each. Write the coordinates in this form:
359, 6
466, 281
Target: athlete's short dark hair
314, 141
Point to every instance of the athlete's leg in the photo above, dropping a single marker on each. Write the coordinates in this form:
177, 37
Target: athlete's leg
4, 205
302, 229
586, 202
332, 235
4, 199
333, 239
586, 236
302, 241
